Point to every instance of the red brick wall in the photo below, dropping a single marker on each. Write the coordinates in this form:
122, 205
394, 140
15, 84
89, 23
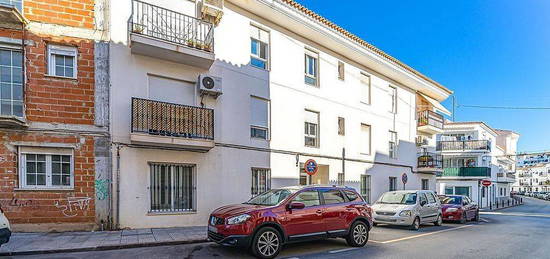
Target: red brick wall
76, 13
24, 207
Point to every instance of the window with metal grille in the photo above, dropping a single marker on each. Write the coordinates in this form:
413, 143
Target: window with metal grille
259, 48
11, 83
393, 184
366, 187
341, 179
173, 187
393, 144
341, 70
311, 129
341, 126
261, 181
425, 184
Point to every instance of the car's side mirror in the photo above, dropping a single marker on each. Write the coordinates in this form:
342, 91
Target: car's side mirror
422, 203
296, 206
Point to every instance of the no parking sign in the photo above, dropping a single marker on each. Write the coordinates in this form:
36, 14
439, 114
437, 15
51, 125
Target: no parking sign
311, 167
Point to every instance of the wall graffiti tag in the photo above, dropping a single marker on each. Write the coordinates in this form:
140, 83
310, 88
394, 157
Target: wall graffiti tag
102, 189
15, 202
74, 205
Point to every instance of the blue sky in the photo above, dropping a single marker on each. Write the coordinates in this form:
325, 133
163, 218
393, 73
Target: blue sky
490, 52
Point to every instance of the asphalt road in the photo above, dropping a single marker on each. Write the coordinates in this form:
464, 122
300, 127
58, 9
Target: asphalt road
519, 232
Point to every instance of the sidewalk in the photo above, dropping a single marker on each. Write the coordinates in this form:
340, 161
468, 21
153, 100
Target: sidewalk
495, 208
41, 243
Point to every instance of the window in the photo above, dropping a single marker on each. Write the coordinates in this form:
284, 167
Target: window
45, 170
11, 83
332, 197
425, 184
305, 179
311, 129
393, 144
341, 126
393, 96
309, 198
261, 181
462, 191
365, 88
431, 198
341, 179
259, 48
259, 118
18, 4
311, 68
172, 187
62, 61
449, 191
423, 198
341, 70
365, 187
393, 184
352, 196
365, 139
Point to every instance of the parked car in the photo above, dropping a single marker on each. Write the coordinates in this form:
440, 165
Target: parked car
292, 214
5, 230
408, 208
458, 208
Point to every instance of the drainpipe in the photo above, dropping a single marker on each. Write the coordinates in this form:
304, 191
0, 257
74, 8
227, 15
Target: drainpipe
117, 225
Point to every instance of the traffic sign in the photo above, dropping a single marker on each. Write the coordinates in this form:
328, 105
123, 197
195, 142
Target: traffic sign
486, 183
311, 167
404, 178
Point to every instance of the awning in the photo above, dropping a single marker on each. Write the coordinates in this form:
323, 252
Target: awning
10, 17
437, 106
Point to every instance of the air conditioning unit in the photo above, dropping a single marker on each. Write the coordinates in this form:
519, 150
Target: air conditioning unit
421, 141
210, 85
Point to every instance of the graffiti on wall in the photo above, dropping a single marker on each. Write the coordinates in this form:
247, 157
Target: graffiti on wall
74, 205
102, 189
15, 202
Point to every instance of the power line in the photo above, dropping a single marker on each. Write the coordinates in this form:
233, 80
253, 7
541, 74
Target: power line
504, 107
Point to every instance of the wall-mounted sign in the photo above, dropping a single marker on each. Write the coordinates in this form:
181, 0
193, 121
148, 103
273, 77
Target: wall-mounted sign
486, 183
311, 167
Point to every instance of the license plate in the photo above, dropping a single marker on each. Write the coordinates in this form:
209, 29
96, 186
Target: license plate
213, 229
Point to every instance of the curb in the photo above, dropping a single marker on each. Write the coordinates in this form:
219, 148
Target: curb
103, 248
484, 210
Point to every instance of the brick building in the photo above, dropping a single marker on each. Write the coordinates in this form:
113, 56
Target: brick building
54, 143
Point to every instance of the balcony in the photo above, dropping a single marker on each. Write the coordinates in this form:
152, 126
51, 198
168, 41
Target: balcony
175, 125
430, 122
429, 162
162, 33
467, 145
483, 172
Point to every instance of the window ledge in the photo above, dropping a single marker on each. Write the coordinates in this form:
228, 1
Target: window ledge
61, 77
169, 213
44, 189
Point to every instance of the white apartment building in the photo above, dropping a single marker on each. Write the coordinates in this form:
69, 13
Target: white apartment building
472, 152
533, 173
206, 114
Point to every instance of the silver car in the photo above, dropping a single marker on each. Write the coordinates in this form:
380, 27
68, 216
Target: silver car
408, 208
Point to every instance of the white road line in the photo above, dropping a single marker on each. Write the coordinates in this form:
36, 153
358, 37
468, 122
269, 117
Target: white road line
425, 234
484, 220
342, 250
376, 242
293, 258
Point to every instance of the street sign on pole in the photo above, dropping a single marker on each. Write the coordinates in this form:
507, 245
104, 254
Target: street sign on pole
404, 179
311, 167
486, 183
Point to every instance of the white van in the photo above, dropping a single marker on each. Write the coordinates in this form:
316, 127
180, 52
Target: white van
408, 208
5, 230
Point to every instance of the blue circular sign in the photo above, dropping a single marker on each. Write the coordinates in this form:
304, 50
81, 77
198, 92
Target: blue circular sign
311, 167
404, 178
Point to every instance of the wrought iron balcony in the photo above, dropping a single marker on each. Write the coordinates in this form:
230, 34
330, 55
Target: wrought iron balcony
172, 124
429, 161
430, 122
467, 172
467, 145
162, 33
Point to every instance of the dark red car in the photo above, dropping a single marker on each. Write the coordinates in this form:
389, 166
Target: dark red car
458, 208
291, 214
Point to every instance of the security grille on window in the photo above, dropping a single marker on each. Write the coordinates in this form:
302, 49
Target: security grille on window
341, 126
341, 70
44, 169
259, 118
172, 187
393, 184
393, 96
261, 181
365, 88
366, 187
11, 83
311, 129
393, 144
259, 47
341, 179
62, 61
365, 139
311, 68
18, 4
425, 184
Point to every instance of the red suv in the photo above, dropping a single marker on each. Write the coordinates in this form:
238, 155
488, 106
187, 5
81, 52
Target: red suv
292, 214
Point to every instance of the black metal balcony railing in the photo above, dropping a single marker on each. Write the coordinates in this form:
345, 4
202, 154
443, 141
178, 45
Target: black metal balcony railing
430, 118
174, 120
164, 24
430, 160
471, 145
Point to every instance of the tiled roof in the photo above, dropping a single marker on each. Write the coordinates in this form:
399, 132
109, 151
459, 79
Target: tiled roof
360, 41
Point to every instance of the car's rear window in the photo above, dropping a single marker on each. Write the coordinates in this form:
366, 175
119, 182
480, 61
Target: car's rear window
352, 196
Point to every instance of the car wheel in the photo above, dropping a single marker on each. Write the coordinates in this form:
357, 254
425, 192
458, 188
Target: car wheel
358, 235
416, 224
464, 218
267, 243
476, 218
439, 221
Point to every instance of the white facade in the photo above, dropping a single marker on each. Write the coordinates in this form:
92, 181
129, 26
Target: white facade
472, 152
533, 173
222, 168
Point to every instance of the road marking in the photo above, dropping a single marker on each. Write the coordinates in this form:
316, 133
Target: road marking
341, 250
516, 214
423, 235
484, 220
374, 241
